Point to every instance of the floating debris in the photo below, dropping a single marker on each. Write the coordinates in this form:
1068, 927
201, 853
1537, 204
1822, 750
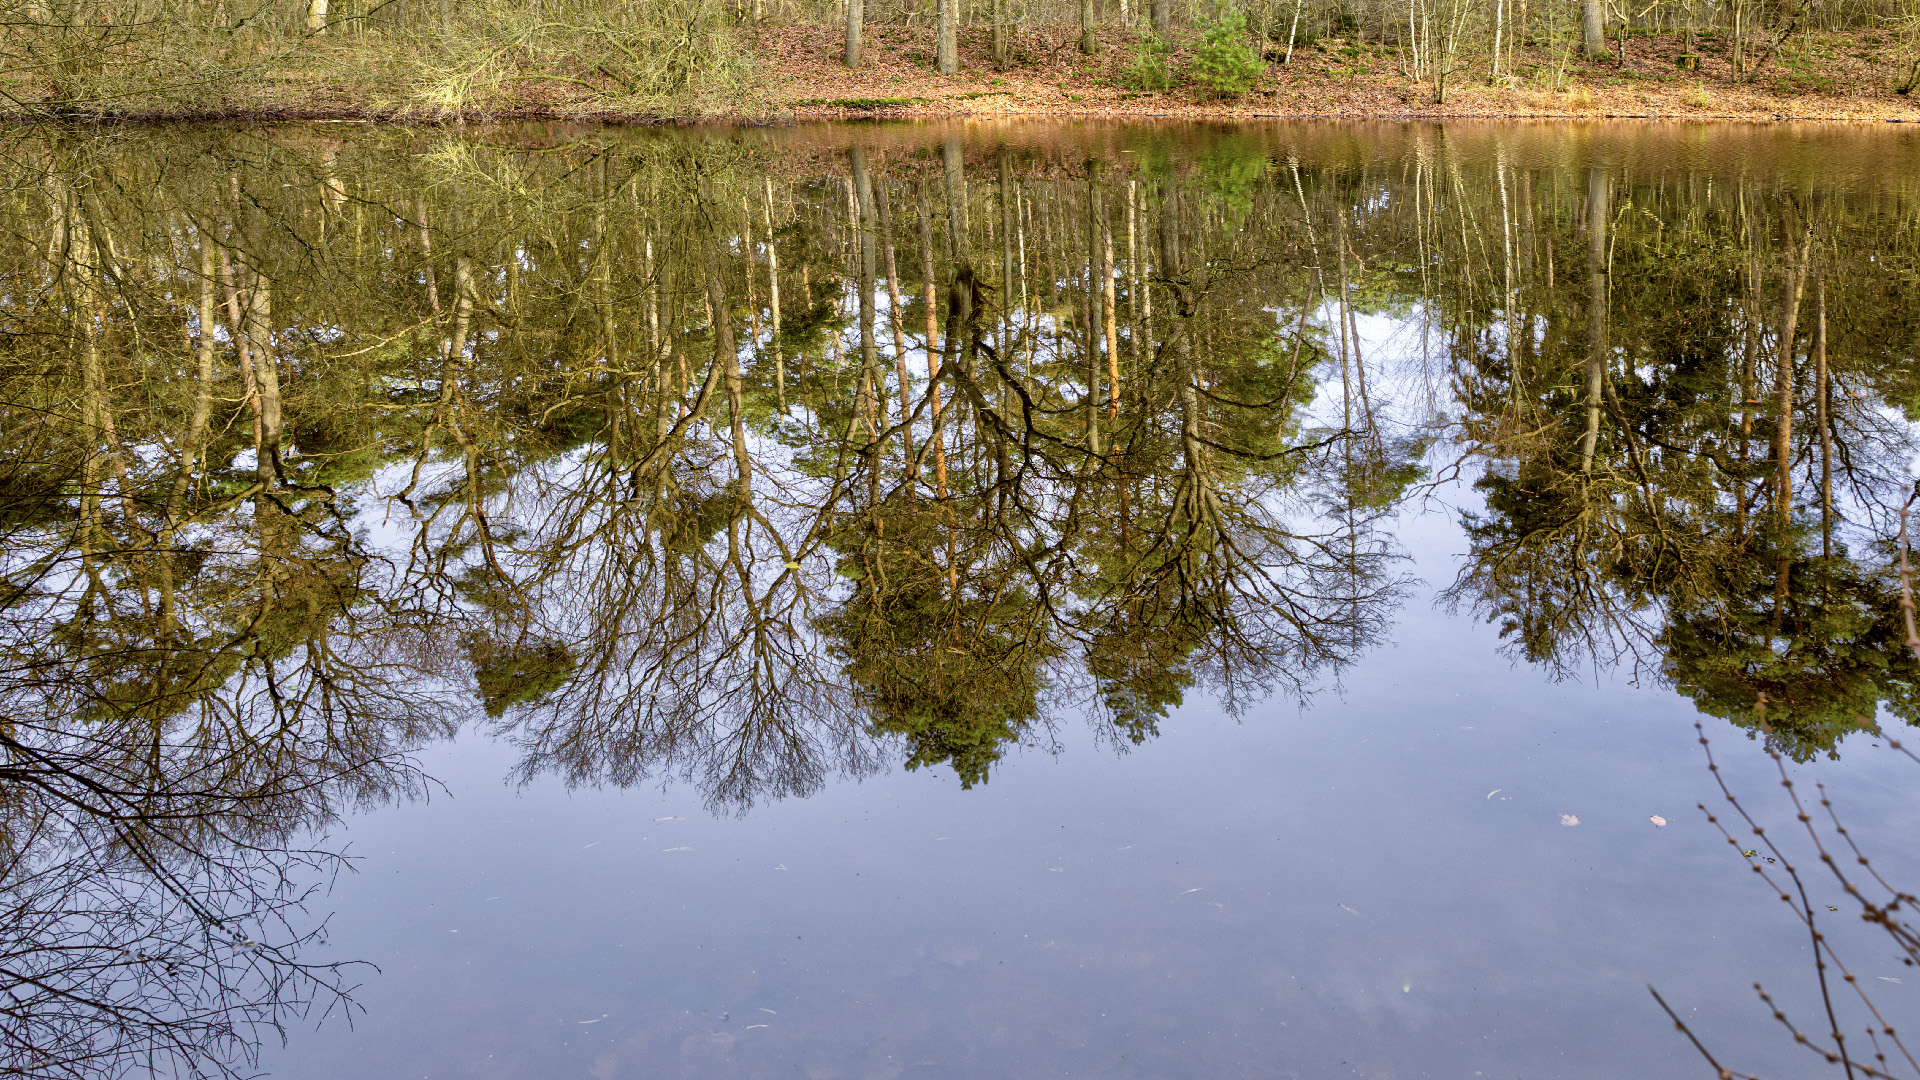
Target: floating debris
1658, 821
1569, 819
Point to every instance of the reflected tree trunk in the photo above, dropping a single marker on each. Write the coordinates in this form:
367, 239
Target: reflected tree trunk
1090, 311
1749, 365
1791, 290
1109, 298
239, 317
725, 355
867, 226
936, 435
893, 321
1821, 387
1009, 194
1599, 211
773, 301
953, 167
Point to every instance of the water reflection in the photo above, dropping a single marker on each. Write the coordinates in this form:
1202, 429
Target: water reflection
1706, 473
760, 459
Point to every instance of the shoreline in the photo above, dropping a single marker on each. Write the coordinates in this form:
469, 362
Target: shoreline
797, 117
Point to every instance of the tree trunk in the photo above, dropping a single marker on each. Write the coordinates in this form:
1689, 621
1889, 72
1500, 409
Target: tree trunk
947, 38
1499, 34
855, 14
1593, 38
1087, 44
1736, 40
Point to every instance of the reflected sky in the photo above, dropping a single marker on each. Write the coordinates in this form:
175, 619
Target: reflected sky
1378, 886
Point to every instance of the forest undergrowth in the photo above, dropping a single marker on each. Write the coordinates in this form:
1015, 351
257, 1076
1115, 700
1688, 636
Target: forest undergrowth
685, 60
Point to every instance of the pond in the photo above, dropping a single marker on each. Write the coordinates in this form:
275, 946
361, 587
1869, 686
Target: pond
1084, 600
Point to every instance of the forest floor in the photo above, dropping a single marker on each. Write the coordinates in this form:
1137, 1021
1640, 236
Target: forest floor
1827, 76
795, 73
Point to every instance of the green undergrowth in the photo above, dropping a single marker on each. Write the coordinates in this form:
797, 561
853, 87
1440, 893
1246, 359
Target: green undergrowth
858, 104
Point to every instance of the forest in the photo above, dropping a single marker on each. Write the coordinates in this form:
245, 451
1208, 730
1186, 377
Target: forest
754, 59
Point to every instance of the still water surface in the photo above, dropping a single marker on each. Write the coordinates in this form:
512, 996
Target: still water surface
917, 601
